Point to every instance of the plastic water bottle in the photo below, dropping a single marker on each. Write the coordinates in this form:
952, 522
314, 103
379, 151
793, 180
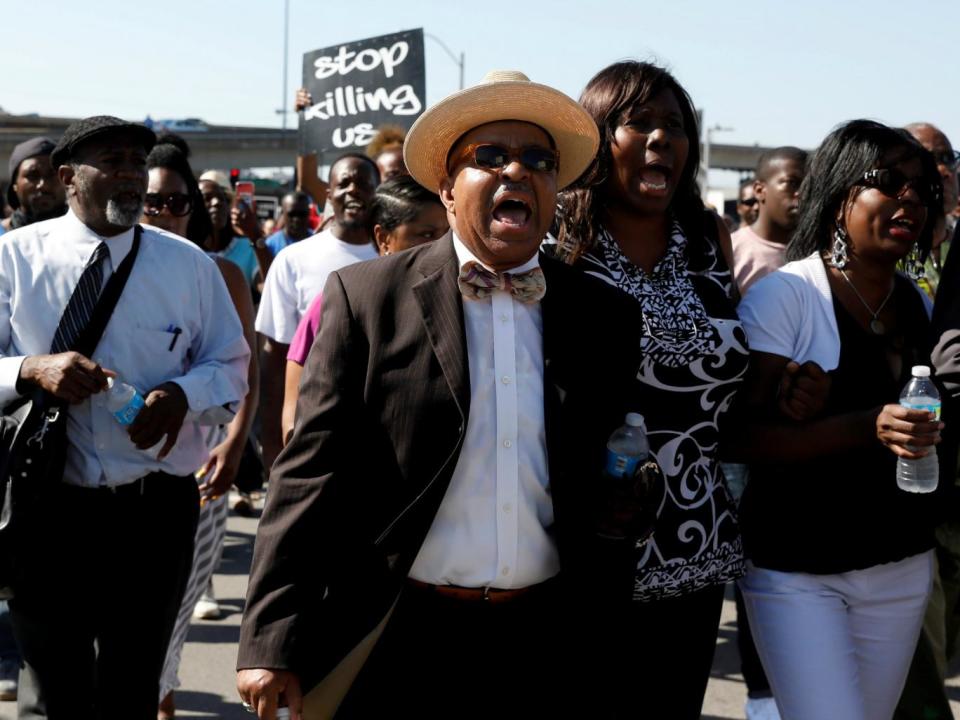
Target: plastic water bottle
920, 476
123, 401
627, 448
629, 502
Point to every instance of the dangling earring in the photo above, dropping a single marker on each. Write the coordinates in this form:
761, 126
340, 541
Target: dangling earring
838, 255
912, 265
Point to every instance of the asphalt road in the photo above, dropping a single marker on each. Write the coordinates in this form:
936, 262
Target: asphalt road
207, 670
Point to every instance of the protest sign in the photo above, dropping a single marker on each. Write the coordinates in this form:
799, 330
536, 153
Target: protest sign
359, 86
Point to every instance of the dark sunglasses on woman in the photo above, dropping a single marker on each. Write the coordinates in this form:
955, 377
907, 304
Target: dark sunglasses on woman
179, 204
893, 183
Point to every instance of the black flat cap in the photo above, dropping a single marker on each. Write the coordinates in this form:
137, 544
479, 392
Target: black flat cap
24, 151
98, 126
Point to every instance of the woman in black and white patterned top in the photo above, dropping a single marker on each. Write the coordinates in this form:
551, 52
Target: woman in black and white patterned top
636, 221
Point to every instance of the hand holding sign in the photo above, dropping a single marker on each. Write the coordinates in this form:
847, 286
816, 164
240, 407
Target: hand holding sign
303, 100
352, 89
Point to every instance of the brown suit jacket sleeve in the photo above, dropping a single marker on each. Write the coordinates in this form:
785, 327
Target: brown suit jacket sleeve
291, 563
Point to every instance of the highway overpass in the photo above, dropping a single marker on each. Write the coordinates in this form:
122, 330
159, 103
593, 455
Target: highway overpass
218, 147
223, 147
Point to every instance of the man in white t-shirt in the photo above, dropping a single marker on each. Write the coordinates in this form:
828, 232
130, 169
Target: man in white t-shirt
298, 274
761, 248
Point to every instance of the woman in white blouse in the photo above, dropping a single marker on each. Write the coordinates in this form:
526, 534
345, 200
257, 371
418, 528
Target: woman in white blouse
839, 559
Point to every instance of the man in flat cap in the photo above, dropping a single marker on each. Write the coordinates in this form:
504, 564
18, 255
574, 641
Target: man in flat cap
434, 500
35, 192
100, 569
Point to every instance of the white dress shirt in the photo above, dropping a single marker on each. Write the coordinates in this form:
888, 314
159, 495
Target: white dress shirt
297, 275
493, 525
173, 284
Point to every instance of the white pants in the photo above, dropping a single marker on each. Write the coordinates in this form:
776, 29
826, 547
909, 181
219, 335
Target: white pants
838, 647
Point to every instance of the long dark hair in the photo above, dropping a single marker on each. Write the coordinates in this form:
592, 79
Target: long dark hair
612, 92
834, 174
171, 153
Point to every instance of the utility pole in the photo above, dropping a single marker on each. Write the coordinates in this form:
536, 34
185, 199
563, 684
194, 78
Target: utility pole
286, 53
460, 61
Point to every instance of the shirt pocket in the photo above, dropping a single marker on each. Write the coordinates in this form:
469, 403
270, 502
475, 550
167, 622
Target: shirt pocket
150, 359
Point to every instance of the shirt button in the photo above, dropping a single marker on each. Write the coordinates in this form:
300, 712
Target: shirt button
505, 379
505, 571
506, 507
100, 445
504, 318
507, 443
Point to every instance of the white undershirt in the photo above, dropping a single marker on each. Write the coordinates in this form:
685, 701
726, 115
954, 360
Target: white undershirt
491, 529
790, 313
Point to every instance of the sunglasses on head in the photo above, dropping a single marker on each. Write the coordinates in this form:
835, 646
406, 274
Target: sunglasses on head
496, 157
893, 183
750, 202
179, 204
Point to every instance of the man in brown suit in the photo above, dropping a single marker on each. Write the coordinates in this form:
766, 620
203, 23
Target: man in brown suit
450, 438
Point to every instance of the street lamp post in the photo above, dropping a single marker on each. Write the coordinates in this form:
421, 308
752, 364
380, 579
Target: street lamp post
286, 44
460, 61
707, 142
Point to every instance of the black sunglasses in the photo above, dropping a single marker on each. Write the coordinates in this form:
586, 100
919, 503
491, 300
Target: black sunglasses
749, 202
495, 157
179, 204
298, 214
893, 183
950, 158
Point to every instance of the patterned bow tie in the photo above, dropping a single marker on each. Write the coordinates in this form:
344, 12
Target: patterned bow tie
477, 283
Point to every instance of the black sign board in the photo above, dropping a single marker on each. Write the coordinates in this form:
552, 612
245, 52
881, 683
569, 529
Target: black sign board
359, 86
267, 206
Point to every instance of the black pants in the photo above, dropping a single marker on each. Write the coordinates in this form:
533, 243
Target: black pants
444, 658
657, 657
99, 582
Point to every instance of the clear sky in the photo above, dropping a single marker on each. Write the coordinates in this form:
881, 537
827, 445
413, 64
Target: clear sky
777, 72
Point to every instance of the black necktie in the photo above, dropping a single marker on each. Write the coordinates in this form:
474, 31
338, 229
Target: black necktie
82, 302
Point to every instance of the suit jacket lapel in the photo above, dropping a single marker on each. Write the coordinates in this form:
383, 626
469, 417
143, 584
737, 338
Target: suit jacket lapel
555, 330
442, 311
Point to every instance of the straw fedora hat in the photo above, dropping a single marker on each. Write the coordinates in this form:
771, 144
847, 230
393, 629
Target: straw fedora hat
501, 95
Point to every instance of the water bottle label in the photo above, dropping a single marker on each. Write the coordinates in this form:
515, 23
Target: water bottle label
933, 407
128, 412
619, 466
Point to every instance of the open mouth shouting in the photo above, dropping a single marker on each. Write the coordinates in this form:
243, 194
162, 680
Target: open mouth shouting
655, 178
128, 197
905, 228
354, 207
512, 211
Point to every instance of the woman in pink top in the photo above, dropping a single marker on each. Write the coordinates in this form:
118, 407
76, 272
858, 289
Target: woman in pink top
404, 215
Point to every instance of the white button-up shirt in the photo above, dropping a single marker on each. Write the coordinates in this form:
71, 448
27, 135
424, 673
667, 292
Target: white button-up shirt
493, 525
172, 285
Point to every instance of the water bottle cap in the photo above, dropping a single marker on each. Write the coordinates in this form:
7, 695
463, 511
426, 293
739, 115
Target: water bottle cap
635, 420
109, 383
920, 371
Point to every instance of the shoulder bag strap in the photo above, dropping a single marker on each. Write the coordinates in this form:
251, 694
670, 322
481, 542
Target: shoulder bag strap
87, 341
